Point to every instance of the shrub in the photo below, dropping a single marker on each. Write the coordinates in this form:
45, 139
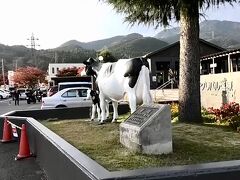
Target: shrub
174, 110
208, 118
234, 122
227, 113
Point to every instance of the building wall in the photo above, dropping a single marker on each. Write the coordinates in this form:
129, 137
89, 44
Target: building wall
171, 55
220, 88
10, 78
54, 67
206, 49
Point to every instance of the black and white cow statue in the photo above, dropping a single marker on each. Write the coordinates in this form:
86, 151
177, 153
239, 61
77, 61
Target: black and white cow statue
114, 80
94, 96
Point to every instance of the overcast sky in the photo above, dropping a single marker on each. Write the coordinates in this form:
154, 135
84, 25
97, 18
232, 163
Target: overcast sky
54, 22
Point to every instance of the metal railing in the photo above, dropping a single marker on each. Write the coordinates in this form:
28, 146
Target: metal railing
170, 81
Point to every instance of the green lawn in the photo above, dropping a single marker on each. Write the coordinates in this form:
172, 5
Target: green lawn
191, 144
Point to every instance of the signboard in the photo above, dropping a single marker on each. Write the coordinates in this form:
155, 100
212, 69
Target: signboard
141, 115
213, 65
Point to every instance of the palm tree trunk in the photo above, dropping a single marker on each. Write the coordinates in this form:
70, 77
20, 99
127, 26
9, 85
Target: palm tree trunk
189, 84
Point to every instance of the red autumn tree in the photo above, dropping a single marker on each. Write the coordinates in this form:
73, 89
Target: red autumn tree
70, 71
1, 79
28, 76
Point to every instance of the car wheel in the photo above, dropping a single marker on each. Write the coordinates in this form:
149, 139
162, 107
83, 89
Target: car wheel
1, 97
61, 106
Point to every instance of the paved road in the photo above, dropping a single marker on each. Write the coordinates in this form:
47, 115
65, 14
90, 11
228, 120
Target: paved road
25, 169
7, 105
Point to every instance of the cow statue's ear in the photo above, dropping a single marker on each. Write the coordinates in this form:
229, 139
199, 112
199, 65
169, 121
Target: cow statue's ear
89, 61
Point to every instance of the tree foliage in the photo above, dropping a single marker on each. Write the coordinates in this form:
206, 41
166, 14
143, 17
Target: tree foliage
70, 71
28, 76
136, 48
162, 12
107, 56
5, 78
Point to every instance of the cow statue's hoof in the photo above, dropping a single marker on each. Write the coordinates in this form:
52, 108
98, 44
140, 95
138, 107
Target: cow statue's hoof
101, 123
114, 120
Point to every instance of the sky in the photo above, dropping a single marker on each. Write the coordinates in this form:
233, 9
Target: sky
54, 22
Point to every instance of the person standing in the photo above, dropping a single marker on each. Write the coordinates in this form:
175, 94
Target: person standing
16, 95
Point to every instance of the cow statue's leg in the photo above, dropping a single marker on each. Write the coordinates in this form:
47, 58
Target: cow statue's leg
98, 111
107, 109
103, 107
93, 111
132, 99
115, 111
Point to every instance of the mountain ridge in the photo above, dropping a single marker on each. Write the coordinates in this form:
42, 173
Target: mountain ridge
218, 32
221, 33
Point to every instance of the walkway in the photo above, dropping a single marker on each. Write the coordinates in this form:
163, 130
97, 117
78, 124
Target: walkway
25, 169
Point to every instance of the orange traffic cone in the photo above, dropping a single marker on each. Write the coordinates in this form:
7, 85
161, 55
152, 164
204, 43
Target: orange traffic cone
7, 132
24, 150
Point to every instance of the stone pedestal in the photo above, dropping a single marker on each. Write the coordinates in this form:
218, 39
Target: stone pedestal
148, 130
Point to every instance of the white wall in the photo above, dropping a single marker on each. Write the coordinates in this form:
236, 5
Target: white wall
58, 66
10, 78
219, 88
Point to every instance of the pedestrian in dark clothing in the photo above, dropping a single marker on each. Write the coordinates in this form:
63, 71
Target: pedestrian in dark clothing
16, 95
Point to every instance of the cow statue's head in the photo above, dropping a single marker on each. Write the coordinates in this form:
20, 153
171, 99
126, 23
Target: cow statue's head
90, 64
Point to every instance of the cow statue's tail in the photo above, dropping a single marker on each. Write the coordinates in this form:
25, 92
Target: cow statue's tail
146, 95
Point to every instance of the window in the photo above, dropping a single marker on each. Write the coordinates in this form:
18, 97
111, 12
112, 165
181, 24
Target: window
53, 70
70, 93
82, 92
236, 64
64, 85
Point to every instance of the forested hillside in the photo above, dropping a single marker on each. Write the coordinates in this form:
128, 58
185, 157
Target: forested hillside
221, 33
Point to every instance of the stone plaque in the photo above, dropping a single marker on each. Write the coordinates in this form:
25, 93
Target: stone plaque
148, 130
141, 115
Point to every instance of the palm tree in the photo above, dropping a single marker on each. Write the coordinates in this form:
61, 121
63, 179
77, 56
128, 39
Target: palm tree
161, 12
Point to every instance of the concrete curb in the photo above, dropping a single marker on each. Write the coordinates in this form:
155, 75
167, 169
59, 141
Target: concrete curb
62, 161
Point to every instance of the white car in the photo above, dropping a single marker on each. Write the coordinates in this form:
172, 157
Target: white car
22, 92
4, 94
69, 97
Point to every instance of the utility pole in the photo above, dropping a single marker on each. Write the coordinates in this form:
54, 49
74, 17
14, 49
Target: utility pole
55, 57
33, 48
3, 75
16, 65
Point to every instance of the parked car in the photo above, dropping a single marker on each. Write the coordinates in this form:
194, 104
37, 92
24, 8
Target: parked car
69, 97
6, 91
31, 96
63, 85
3, 94
52, 90
23, 92
43, 92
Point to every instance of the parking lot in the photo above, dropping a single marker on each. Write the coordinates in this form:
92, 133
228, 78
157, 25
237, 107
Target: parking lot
7, 105
10, 169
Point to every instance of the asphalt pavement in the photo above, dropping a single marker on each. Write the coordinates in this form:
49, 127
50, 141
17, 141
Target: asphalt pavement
7, 105
11, 169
